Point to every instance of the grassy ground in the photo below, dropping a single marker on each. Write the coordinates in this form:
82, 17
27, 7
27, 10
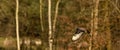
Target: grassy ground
9, 43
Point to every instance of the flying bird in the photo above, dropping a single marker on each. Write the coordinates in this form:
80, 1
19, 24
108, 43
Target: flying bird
78, 33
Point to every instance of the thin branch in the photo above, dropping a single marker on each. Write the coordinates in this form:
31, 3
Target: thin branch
115, 6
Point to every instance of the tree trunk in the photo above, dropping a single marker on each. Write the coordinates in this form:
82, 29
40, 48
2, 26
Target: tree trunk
17, 25
91, 33
94, 23
107, 25
56, 14
95, 16
50, 28
55, 17
41, 16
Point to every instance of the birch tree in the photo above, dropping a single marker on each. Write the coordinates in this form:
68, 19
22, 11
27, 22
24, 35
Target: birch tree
94, 22
107, 25
56, 15
41, 16
91, 33
50, 25
95, 16
17, 24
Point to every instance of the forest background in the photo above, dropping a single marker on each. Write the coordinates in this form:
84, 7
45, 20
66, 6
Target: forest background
100, 17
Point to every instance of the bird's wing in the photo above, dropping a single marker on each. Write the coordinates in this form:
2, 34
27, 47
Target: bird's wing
77, 36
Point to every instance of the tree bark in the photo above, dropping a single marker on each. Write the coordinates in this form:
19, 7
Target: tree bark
94, 23
41, 16
95, 16
91, 33
56, 15
17, 24
107, 25
50, 28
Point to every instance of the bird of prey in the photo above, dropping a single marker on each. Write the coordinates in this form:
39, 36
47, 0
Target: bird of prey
78, 33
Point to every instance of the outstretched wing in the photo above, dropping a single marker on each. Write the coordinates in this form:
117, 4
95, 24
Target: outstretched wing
78, 33
76, 36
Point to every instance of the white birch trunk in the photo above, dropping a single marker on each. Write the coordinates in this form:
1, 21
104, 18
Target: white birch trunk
17, 24
94, 22
56, 15
41, 16
50, 28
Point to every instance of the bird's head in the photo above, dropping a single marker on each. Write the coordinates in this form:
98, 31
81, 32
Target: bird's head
79, 30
